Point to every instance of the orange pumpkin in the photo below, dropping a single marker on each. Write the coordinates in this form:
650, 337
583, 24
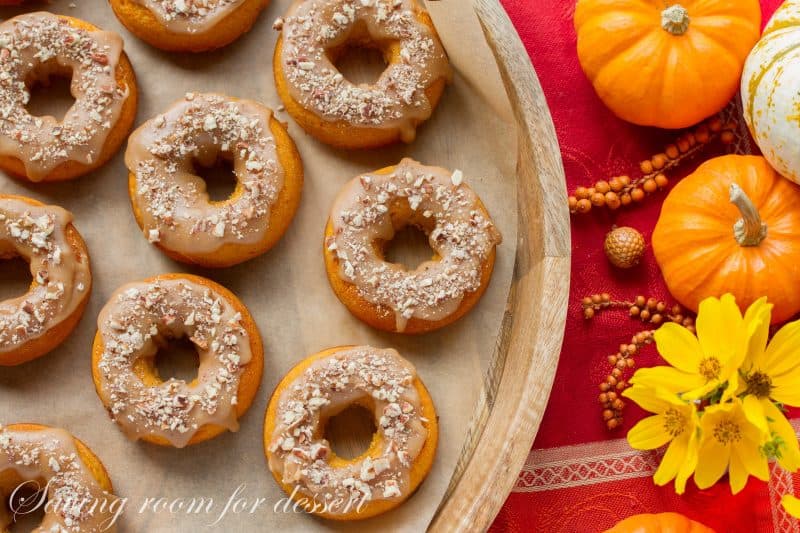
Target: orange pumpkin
666, 63
659, 523
732, 226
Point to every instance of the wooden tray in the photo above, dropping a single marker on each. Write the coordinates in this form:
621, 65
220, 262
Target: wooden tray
517, 386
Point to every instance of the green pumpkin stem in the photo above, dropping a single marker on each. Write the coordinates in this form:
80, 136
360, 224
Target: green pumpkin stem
749, 230
675, 19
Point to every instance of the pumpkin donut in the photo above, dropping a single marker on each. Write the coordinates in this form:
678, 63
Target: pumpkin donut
139, 318
347, 115
366, 215
188, 25
401, 452
35, 323
39, 457
32, 48
170, 202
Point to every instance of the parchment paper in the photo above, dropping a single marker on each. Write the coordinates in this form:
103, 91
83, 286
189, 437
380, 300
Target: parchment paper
286, 289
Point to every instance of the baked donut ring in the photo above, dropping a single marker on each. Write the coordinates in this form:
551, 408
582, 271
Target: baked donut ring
35, 456
170, 202
188, 25
141, 316
32, 48
339, 112
366, 215
401, 452
35, 323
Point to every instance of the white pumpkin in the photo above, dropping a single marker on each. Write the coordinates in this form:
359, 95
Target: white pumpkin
771, 91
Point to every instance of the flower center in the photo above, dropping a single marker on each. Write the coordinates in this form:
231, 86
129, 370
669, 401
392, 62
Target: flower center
674, 422
710, 368
758, 384
727, 432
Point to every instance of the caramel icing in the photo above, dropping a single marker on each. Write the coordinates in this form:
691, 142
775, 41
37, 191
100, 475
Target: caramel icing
462, 235
173, 201
397, 99
61, 277
190, 16
31, 47
327, 387
76, 502
139, 317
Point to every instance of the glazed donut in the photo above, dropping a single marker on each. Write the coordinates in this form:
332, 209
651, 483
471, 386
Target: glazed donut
341, 113
366, 215
32, 48
38, 456
401, 452
35, 323
188, 25
170, 202
141, 316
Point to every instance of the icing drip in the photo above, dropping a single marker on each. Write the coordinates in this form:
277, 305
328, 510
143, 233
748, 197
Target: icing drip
138, 317
462, 235
190, 16
31, 46
398, 98
327, 387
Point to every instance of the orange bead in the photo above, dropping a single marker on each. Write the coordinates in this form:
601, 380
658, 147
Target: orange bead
659, 161
650, 186
661, 181
598, 200
581, 193
691, 139
626, 180
727, 137
646, 167
683, 145
612, 200
625, 199
584, 206
573, 203
702, 134
602, 187
637, 194
672, 151
715, 124
615, 184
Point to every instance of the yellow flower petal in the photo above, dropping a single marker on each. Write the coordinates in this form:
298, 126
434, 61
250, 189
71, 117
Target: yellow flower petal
678, 347
702, 390
791, 505
678, 463
790, 453
647, 398
649, 434
712, 462
667, 378
719, 324
783, 352
754, 411
759, 311
786, 390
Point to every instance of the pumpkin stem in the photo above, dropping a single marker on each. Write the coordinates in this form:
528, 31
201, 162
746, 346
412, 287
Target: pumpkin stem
675, 19
749, 230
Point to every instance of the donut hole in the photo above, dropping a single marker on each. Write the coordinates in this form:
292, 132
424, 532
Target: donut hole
218, 174
15, 276
50, 90
361, 59
177, 359
25, 501
409, 247
351, 431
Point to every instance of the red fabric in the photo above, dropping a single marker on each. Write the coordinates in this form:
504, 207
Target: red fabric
596, 145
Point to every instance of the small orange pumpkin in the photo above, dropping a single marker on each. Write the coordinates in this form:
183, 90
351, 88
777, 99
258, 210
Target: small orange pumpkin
732, 226
659, 523
665, 63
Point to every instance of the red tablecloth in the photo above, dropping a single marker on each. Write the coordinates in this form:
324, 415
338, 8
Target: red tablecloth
579, 476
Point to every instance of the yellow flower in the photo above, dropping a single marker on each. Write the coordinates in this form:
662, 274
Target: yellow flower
702, 364
772, 372
791, 505
675, 422
730, 441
